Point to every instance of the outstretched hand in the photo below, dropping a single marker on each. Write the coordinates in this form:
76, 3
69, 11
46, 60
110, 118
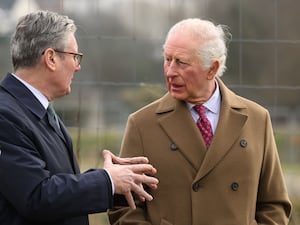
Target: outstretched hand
128, 175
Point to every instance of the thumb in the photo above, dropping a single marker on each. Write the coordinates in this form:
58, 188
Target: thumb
107, 158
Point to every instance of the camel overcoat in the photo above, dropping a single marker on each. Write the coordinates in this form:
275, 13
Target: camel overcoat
237, 181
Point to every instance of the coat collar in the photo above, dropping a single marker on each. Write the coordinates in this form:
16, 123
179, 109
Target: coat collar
15, 88
177, 122
23, 94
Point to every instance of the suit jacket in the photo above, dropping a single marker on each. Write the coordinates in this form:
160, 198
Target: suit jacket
40, 181
237, 181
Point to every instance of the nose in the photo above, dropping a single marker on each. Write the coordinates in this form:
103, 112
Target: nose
77, 68
170, 69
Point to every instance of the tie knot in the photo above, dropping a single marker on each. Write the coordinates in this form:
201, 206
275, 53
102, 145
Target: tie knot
200, 109
53, 115
50, 109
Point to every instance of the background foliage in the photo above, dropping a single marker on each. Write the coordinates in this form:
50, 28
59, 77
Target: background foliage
122, 66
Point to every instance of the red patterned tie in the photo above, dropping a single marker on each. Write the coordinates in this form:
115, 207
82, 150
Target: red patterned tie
204, 124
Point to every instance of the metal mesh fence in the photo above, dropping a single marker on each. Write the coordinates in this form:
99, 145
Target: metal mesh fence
122, 66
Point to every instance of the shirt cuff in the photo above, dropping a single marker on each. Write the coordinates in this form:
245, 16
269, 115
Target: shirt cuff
112, 182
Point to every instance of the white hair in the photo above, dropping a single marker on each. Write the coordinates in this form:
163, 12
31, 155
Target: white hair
212, 40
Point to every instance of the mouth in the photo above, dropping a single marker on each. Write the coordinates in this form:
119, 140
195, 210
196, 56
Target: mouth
176, 87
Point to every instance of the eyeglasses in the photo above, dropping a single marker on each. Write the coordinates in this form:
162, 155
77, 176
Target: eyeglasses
77, 56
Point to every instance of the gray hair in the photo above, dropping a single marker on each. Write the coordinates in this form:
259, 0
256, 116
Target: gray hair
212, 40
36, 32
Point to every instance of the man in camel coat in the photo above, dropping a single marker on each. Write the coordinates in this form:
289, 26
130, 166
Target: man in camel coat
235, 178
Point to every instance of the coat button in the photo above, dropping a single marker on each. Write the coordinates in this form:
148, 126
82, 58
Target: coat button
196, 187
173, 147
243, 143
234, 186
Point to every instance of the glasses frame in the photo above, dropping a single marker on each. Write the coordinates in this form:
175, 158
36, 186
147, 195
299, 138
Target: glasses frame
77, 55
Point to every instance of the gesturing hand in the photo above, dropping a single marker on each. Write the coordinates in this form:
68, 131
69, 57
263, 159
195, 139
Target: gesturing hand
128, 175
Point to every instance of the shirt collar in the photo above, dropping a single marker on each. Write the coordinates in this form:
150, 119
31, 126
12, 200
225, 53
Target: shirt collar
42, 98
213, 104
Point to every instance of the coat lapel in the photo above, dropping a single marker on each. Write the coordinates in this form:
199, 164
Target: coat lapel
176, 120
58, 130
233, 116
24, 95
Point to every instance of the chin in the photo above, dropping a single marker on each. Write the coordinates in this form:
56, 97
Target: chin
177, 96
68, 91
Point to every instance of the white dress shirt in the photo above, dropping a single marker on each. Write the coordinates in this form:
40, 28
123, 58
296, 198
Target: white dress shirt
213, 106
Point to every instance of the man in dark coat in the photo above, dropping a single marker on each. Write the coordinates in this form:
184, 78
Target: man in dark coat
40, 182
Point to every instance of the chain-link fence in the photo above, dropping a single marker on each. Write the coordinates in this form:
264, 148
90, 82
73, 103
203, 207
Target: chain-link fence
122, 66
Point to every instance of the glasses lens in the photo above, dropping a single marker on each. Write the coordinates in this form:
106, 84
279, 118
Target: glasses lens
77, 56
78, 59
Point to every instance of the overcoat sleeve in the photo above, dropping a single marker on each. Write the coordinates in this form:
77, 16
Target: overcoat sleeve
273, 206
37, 192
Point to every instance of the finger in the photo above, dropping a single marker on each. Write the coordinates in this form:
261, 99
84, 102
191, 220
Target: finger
152, 186
141, 197
115, 159
148, 180
139, 190
142, 168
130, 201
133, 160
151, 182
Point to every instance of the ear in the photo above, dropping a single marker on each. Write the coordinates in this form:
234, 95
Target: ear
49, 59
213, 70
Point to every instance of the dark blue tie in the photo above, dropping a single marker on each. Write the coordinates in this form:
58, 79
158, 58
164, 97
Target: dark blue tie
53, 115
